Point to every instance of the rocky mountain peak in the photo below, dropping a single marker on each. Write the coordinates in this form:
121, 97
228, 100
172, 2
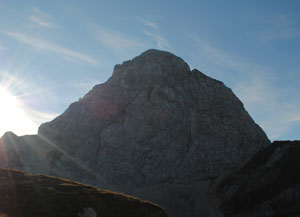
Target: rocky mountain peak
154, 111
155, 129
8, 135
153, 67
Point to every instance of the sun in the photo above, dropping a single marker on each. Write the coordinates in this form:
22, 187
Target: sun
11, 111
8, 102
18, 101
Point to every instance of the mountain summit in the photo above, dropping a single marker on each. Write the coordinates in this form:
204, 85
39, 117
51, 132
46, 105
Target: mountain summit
155, 129
151, 68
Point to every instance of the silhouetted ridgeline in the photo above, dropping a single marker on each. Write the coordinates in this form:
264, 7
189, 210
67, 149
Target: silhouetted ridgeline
27, 195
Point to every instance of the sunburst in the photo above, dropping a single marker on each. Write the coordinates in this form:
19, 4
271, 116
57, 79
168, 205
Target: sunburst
11, 112
17, 114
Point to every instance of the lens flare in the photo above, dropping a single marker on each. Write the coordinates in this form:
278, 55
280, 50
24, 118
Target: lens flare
19, 98
11, 112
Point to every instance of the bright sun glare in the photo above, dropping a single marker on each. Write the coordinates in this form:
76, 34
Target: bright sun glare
17, 100
11, 112
8, 102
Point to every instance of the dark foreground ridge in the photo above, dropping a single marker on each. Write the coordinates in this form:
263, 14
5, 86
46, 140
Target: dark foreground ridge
27, 195
268, 185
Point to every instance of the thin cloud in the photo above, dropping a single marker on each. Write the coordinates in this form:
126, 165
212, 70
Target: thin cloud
41, 13
39, 117
223, 58
40, 22
148, 23
279, 27
116, 40
162, 43
84, 86
275, 109
257, 90
49, 46
2, 48
276, 114
282, 34
42, 19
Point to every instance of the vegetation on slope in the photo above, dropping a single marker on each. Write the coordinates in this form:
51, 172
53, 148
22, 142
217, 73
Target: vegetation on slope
23, 194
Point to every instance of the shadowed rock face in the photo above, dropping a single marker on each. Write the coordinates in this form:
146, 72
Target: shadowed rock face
268, 185
24, 195
155, 120
155, 126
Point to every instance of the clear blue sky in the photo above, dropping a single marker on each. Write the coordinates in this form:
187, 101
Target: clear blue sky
53, 52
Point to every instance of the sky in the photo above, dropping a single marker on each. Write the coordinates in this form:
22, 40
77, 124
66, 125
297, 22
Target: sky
53, 52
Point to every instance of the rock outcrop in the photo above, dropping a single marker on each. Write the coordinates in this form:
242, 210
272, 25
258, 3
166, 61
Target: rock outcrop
23, 195
266, 186
155, 129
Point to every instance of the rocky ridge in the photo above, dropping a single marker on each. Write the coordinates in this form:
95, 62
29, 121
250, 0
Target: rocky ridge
155, 129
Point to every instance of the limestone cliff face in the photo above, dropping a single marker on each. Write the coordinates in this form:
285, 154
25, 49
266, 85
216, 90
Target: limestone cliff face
155, 121
155, 126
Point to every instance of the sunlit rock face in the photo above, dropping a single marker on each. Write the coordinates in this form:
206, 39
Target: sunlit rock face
155, 129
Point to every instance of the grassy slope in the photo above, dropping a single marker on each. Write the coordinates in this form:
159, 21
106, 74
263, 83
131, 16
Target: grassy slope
23, 194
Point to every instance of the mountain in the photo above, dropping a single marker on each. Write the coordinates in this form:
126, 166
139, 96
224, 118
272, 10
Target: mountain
268, 185
155, 129
24, 195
